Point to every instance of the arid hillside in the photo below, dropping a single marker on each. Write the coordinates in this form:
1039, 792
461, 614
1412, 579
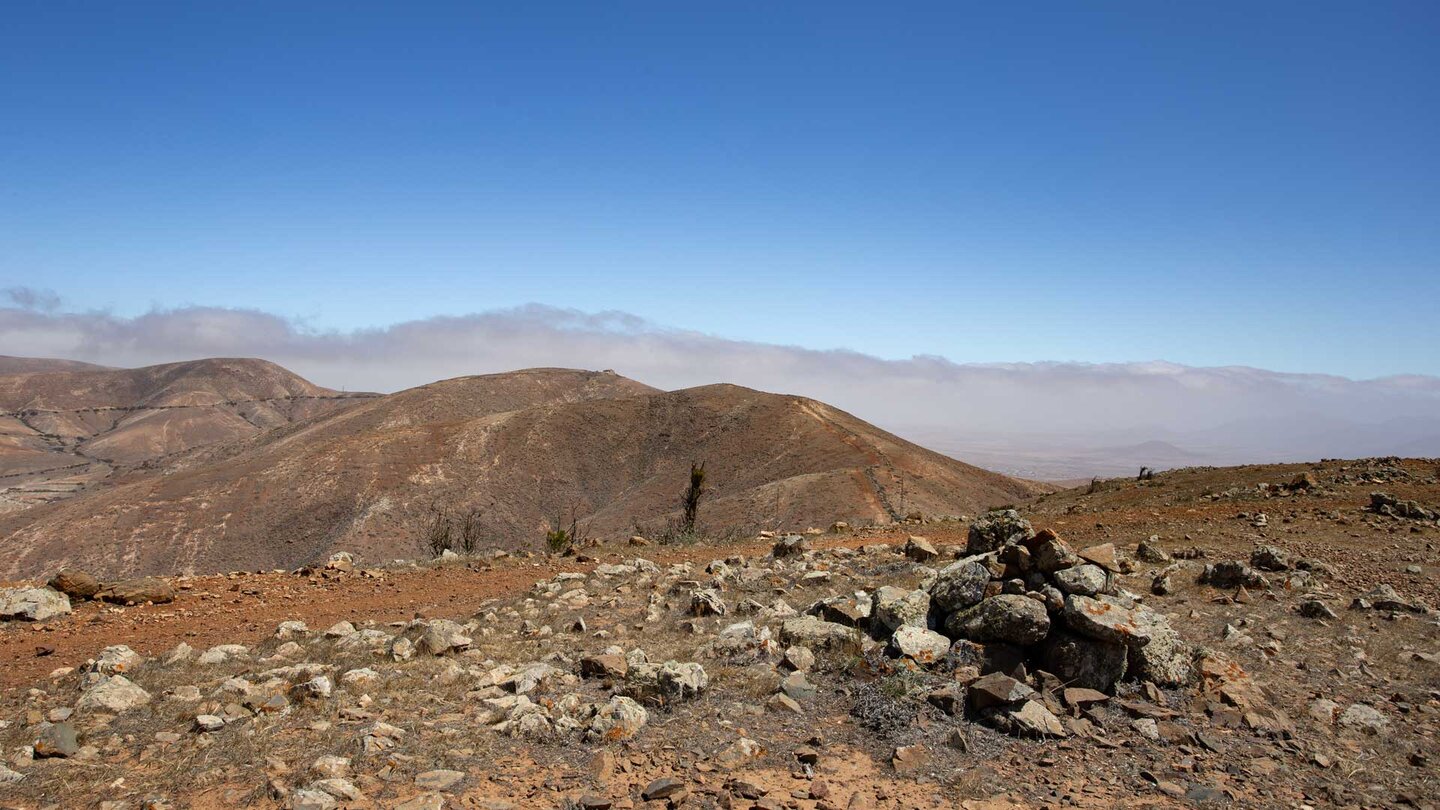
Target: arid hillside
64, 428
35, 365
519, 449
1260, 636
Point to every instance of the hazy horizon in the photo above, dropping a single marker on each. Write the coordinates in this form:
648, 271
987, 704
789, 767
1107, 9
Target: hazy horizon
1053, 420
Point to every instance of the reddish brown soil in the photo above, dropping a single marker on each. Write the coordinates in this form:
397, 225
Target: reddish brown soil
245, 608
1360, 657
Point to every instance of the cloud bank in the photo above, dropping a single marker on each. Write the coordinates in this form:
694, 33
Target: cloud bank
1026, 413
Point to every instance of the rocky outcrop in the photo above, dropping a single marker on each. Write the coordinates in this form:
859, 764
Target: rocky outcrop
77, 585
32, 604
151, 590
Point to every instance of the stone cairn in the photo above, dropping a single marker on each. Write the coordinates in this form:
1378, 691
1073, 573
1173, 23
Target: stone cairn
1019, 602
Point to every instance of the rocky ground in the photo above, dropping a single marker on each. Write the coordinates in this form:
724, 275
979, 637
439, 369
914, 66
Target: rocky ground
1261, 637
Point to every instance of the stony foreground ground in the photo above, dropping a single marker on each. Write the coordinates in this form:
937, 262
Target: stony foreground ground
717, 677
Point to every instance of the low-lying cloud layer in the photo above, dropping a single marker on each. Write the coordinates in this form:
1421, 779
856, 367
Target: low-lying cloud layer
1049, 419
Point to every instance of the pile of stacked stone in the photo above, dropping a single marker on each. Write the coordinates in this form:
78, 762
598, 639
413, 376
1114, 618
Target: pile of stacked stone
1384, 504
1018, 603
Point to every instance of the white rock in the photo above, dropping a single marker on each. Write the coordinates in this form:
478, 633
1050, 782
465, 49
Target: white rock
401, 649
620, 719
919, 645
209, 722
339, 788
896, 607
317, 688
307, 799
330, 766
115, 694
442, 636
340, 630
288, 651
290, 629
114, 660
1364, 718
1146, 727
221, 653
360, 677
185, 693
32, 604
179, 654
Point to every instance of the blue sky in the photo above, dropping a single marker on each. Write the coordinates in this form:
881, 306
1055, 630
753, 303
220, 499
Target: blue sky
1210, 184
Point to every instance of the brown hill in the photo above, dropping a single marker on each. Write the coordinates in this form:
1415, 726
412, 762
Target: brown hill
520, 448
34, 365
62, 430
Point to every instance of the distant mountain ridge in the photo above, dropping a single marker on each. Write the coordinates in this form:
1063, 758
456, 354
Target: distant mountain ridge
521, 448
40, 365
64, 428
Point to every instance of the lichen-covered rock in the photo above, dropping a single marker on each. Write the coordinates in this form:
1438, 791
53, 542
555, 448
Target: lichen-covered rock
994, 530
919, 645
1365, 718
1009, 618
1085, 580
1270, 558
670, 681
442, 636
920, 550
56, 740
1150, 551
619, 719
291, 629
707, 602
791, 545
1048, 553
817, 634
340, 630
221, 653
896, 607
744, 638
961, 584
1232, 574
114, 660
33, 604
312, 799
1084, 662
1105, 618
1168, 659
679, 681
115, 694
